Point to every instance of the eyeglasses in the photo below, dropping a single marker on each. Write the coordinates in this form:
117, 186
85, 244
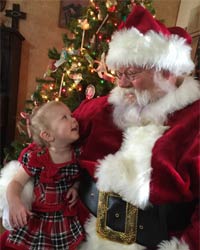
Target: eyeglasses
129, 74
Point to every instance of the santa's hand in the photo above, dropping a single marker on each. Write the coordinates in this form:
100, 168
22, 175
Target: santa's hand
72, 196
18, 215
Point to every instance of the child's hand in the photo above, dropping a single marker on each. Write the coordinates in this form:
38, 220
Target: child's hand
72, 196
18, 214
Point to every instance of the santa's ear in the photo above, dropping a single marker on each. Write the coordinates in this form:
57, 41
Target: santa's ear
46, 135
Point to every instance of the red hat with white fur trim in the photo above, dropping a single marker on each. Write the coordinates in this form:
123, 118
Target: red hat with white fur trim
144, 41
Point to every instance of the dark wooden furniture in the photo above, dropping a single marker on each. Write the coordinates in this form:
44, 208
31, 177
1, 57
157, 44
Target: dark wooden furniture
10, 54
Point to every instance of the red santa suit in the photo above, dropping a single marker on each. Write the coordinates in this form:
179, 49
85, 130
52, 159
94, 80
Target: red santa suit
154, 161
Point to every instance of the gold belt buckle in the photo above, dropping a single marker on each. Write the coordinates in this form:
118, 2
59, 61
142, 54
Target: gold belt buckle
127, 237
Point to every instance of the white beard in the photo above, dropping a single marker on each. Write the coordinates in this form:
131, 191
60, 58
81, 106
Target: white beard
131, 106
128, 105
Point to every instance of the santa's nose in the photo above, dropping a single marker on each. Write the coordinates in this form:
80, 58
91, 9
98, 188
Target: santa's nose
123, 82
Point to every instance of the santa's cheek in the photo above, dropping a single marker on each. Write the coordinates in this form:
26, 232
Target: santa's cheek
137, 84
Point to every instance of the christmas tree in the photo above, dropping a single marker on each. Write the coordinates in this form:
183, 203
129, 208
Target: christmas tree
78, 71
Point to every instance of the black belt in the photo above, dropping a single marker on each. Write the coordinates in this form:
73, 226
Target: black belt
153, 223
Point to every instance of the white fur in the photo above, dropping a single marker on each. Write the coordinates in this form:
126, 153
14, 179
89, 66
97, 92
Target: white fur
127, 114
96, 242
130, 167
173, 244
6, 175
130, 47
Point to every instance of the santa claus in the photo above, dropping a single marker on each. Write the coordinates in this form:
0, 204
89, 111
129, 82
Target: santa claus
140, 145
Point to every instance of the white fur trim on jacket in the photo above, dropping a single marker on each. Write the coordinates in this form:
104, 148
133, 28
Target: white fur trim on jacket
130, 47
173, 244
129, 167
6, 175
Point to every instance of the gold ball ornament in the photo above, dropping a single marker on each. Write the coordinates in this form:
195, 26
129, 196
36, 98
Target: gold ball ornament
110, 3
84, 24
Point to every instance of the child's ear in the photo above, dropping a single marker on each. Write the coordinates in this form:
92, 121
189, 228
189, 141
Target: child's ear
46, 135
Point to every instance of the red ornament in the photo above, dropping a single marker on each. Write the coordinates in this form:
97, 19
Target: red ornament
90, 91
51, 65
112, 9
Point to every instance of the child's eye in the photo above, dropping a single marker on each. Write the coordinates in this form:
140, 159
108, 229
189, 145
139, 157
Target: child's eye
64, 117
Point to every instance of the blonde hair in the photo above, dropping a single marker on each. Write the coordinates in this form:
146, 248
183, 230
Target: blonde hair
39, 121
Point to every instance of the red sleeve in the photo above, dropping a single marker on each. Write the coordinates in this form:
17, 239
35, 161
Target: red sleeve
191, 161
29, 160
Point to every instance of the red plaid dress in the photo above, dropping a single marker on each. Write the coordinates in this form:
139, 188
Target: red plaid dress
53, 225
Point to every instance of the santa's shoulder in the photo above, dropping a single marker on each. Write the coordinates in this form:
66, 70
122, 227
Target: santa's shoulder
92, 106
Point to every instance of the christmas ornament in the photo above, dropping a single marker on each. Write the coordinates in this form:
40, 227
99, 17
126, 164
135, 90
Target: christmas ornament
105, 19
84, 26
90, 91
61, 84
74, 67
63, 54
111, 5
50, 68
99, 16
102, 70
79, 87
26, 116
77, 77
92, 40
59, 62
88, 57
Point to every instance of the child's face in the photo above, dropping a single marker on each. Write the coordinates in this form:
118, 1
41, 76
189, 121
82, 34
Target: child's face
63, 127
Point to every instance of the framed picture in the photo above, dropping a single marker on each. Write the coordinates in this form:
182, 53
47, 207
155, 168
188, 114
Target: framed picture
69, 9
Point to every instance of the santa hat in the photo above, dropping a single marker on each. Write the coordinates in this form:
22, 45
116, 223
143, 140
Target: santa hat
144, 41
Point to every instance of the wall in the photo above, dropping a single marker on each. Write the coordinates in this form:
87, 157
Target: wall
41, 32
189, 18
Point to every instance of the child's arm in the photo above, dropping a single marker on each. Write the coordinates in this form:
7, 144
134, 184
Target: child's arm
72, 194
18, 212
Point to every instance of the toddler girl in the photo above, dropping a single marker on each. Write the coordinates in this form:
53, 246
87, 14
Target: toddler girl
52, 162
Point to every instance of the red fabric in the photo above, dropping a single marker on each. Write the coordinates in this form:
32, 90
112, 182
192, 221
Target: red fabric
141, 19
181, 32
3, 239
99, 136
49, 178
53, 224
175, 160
